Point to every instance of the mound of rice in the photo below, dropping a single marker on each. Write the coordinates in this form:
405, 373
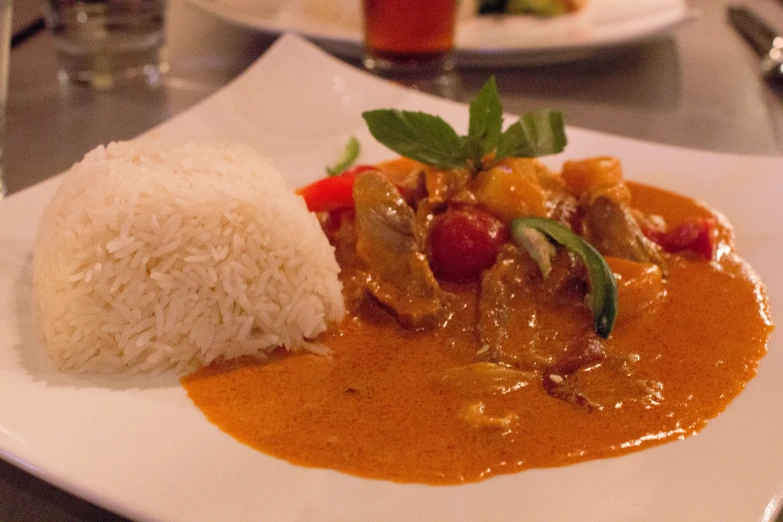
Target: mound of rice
152, 258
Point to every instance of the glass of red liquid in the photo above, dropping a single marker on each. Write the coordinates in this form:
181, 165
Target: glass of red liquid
411, 42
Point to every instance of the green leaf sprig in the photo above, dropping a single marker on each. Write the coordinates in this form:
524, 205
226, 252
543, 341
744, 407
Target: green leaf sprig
603, 287
429, 139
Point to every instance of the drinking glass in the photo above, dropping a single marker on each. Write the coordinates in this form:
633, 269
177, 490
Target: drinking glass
411, 42
104, 43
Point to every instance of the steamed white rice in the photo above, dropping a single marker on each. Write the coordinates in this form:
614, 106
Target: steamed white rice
155, 258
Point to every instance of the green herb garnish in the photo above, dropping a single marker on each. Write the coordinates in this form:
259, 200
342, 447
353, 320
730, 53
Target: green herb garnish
429, 139
350, 153
535, 132
485, 126
603, 287
417, 135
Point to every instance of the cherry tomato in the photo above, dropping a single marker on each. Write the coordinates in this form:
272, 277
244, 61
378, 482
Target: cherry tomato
465, 241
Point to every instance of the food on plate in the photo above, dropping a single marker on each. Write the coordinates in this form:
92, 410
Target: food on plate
455, 313
532, 7
150, 258
500, 315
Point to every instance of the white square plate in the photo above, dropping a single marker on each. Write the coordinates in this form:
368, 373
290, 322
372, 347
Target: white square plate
480, 41
139, 447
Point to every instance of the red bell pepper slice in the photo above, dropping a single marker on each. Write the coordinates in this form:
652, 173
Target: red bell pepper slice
332, 193
694, 235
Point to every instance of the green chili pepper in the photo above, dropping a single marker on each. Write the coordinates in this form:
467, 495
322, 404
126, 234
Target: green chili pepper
603, 288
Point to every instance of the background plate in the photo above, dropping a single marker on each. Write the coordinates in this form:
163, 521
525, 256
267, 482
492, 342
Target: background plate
487, 41
138, 446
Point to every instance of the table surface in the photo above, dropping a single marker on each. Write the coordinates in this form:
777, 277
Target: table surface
697, 88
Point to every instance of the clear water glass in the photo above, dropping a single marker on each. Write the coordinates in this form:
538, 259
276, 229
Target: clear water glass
105, 43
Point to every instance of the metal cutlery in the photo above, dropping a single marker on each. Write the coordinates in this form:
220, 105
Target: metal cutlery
765, 40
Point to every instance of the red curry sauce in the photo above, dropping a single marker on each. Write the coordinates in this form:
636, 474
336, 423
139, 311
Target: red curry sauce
379, 407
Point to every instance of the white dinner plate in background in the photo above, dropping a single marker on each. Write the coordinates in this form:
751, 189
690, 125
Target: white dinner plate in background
485, 41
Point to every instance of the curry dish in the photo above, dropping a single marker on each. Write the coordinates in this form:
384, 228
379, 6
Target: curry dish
471, 348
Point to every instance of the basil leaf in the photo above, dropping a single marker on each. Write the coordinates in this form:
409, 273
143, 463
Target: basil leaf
486, 118
429, 139
535, 134
603, 287
417, 135
474, 150
350, 153
509, 141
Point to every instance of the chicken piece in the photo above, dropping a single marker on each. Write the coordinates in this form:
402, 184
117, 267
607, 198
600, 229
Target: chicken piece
494, 311
607, 220
398, 274
612, 229
511, 291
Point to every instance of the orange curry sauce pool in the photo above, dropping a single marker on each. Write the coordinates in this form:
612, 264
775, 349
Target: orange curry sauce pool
379, 408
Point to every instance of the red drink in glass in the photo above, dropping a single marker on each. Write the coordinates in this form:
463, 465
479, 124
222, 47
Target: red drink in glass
409, 37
